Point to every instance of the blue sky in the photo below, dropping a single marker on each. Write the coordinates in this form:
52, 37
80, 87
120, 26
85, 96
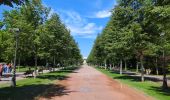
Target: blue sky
85, 18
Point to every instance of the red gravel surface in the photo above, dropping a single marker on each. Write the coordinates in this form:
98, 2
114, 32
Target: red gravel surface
89, 84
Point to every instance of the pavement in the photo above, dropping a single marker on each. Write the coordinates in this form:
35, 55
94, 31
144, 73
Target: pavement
87, 83
155, 78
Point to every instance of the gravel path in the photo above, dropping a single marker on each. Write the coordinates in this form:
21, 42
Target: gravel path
89, 84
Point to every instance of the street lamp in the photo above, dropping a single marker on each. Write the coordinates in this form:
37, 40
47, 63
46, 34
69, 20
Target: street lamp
13, 80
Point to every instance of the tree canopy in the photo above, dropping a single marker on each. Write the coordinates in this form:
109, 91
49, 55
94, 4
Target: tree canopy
42, 38
133, 36
11, 3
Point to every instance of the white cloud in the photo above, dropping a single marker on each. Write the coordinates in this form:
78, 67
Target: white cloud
86, 29
103, 14
78, 25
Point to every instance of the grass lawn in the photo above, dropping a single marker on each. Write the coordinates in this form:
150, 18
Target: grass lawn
148, 87
23, 69
30, 88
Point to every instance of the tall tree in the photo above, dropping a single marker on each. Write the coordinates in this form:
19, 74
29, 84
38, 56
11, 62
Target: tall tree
12, 2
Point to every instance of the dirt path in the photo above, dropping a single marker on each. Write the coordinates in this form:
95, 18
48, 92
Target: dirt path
89, 84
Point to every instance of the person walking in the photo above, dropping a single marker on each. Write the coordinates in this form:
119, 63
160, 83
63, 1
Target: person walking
5, 68
9, 68
1, 71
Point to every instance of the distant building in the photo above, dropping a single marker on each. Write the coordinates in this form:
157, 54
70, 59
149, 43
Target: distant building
85, 60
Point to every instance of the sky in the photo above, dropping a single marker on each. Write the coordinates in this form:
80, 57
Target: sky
85, 18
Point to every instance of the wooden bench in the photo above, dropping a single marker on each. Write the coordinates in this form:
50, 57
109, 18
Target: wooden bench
6, 75
29, 72
40, 70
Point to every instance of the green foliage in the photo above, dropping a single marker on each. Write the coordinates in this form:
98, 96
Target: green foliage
133, 34
42, 38
12, 2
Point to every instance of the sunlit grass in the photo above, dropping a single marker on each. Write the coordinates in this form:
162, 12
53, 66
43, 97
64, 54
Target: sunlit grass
148, 87
30, 88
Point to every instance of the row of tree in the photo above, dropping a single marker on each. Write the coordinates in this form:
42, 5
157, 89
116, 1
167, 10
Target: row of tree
138, 33
42, 37
11, 3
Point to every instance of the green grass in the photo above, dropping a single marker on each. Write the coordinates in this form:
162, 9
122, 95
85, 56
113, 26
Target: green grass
23, 69
30, 88
150, 88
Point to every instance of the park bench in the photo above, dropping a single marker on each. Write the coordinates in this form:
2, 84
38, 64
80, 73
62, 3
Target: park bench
6, 74
28, 72
40, 70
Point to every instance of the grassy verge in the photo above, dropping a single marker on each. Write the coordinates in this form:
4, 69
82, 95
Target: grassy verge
30, 88
23, 69
148, 87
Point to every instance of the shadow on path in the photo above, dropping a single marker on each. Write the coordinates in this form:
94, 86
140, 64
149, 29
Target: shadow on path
30, 92
53, 77
69, 70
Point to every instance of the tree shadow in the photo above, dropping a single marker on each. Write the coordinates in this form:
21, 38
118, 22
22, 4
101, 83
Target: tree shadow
56, 91
161, 90
68, 70
137, 78
123, 72
53, 77
131, 78
31, 92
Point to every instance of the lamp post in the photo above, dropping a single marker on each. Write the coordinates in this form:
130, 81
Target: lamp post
13, 80
164, 85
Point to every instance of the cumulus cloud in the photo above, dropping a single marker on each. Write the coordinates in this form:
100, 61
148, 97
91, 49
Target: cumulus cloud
101, 14
86, 29
78, 25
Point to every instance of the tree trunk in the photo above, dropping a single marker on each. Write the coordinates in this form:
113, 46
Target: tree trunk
19, 62
121, 67
137, 67
164, 85
35, 68
142, 68
105, 65
157, 71
125, 65
110, 67
13, 79
54, 64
